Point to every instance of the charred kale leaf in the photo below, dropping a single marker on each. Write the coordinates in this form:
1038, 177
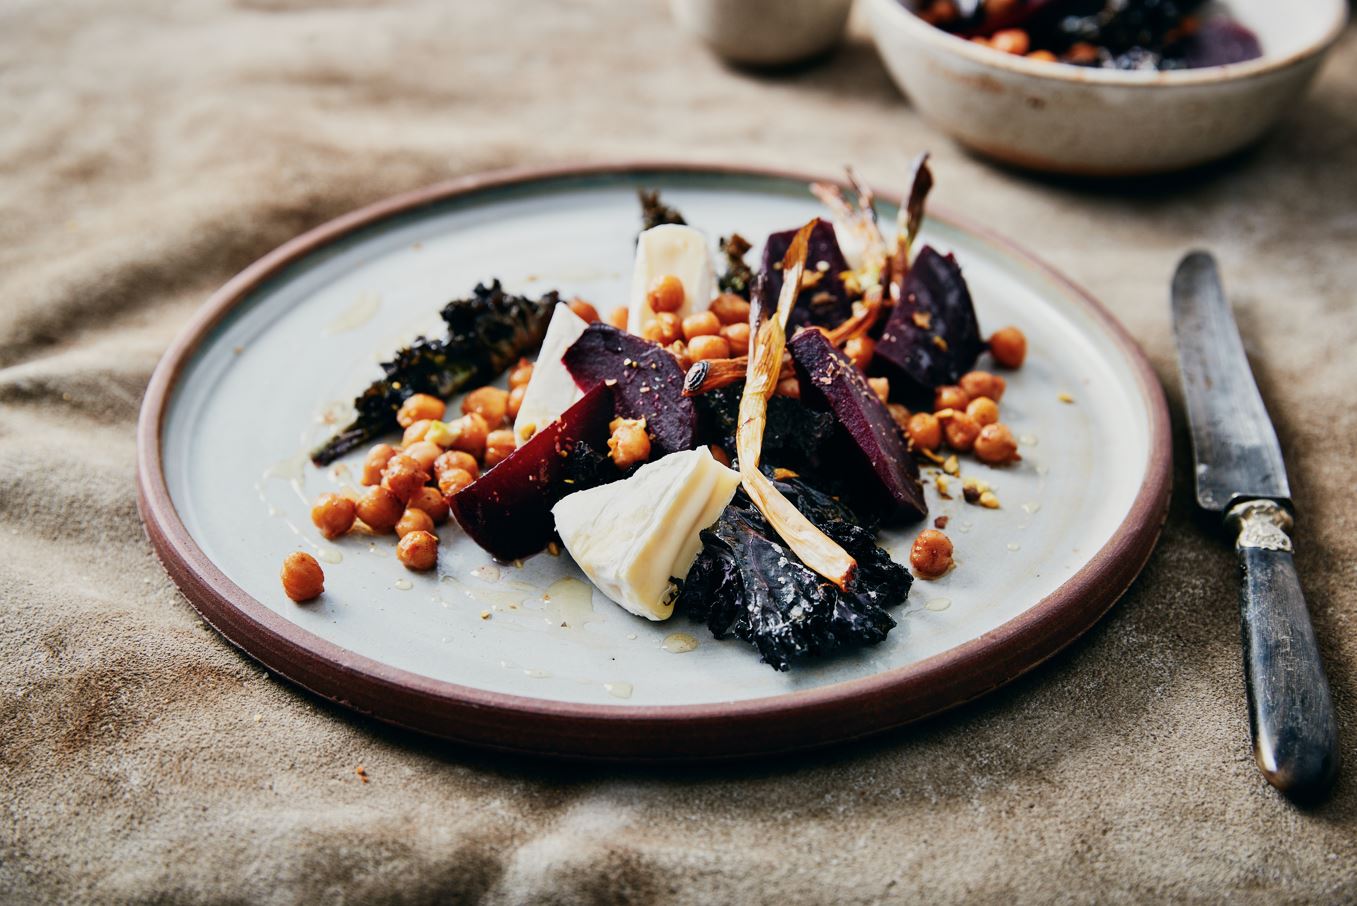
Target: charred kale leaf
486, 333
793, 438
738, 277
748, 583
655, 212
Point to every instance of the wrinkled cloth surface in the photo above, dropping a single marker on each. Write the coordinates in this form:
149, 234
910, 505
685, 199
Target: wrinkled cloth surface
151, 150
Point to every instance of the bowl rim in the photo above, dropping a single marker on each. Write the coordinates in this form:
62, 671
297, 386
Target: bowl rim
1080, 75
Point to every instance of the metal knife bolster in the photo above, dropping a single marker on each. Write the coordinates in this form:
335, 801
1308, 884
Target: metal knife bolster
1261, 525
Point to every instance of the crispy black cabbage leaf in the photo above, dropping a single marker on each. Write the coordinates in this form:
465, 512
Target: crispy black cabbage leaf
738, 277
655, 212
746, 582
794, 437
487, 332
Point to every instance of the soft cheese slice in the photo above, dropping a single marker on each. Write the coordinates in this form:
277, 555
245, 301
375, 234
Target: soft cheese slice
552, 390
631, 536
671, 248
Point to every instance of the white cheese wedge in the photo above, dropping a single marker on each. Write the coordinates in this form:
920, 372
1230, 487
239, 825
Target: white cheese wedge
631, 536
552, 390
671, 248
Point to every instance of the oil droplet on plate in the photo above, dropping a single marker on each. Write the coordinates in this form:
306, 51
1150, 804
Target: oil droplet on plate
329, 555
938, 604
488, 572
679, 642
1028, 440
618, 690
1013, 546
570, 603
1031, 508
363, 309
404, 584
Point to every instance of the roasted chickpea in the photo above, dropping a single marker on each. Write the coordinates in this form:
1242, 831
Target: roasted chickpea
418, 551
995, 444
706, 347
720, 455
679, 350
629, 443
453, 480
419, 407
423, 453
1011, 40
900, 415
1045, 56
924, 431
737, 335
666, 294
1009, 347
521, 374
430, 501
333, 514
583, 309
950, 397
303, 579
669, 326
881, 387
456, 459
961, 431
701, 324
416, 432
618, 318
498, 445
1082, 52
931, 555
983, 383
860, 350
730, 309
375, 464
490, 403
403, 477
380, 509
469, 433
515, 402
413, 520
983, 411
788, 387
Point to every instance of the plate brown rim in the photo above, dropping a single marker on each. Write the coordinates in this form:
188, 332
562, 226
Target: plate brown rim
785, 722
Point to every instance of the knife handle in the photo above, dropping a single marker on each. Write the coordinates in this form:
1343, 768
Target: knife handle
1295, 737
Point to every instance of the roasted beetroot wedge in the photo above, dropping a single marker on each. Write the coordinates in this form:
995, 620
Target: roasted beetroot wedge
507, 510
648, 383
890, 477
826, 303
932, 336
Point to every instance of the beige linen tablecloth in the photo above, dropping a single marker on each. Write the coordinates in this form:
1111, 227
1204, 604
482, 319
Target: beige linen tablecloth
150, 150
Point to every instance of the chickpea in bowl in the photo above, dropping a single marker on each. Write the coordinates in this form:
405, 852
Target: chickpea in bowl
1046, 92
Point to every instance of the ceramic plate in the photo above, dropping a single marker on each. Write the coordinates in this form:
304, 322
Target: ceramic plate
526, 656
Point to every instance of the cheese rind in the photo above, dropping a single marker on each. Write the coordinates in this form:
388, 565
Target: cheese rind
552, 390
631, 536
670, 248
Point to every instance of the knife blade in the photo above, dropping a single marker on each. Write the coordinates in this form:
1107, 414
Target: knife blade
1240, 473
1232, 437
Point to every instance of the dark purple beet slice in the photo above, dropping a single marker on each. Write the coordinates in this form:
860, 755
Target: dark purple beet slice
932, 336
649, 383
1219, 42
507, 510
827, 303
830, 381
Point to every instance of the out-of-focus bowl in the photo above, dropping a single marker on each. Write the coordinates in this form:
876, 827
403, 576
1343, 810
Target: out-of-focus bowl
764, 32
1101, 122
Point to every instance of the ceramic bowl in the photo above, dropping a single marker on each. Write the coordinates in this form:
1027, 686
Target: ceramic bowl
1096, 122
764, 32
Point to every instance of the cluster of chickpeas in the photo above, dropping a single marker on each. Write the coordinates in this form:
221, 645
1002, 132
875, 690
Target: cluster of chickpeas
720, 332
1017, 41
966, 417
408, 486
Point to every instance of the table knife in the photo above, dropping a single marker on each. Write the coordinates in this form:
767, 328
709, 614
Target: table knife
1240, 476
